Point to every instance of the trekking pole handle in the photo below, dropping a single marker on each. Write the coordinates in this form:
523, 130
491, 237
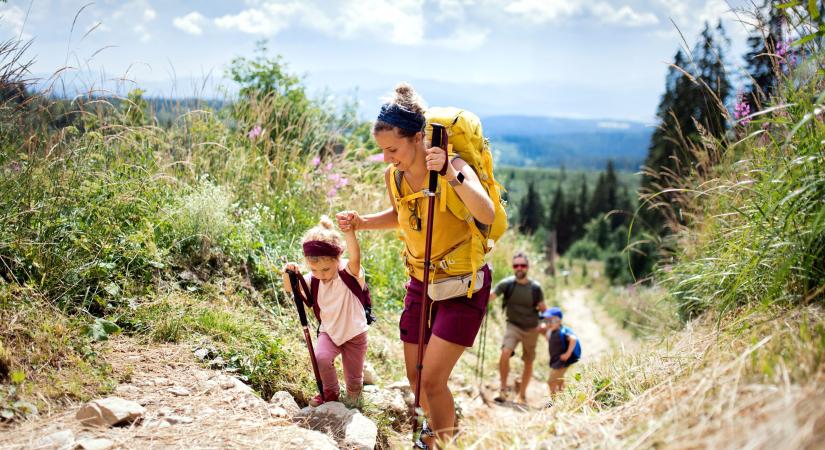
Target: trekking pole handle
296, 297
437, 141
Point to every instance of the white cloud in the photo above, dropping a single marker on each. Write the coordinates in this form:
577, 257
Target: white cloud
543, 11
400, 21
624, 15
142, 32
149, 14
614, 125
464, 38
273, 18
13, 17
550, 11
190, 23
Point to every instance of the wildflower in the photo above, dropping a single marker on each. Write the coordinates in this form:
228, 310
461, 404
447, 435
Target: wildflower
15, 167
254, 132
328, 167
332, 193
742, 111
316, 161
377, 158
781, 49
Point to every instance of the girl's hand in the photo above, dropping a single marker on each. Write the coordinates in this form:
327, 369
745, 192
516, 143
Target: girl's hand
293, 267
436, 157
349, 221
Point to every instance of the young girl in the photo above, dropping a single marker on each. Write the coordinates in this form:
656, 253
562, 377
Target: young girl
343, 320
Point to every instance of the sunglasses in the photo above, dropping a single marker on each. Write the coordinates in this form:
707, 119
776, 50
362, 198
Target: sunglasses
415, 218
519, 266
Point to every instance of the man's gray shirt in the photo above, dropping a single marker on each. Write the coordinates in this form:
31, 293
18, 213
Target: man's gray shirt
520, 305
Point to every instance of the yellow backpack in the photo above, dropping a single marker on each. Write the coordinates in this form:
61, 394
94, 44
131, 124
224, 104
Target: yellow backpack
466, 141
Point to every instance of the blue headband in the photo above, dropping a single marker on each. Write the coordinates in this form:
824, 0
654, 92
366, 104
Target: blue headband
397, 116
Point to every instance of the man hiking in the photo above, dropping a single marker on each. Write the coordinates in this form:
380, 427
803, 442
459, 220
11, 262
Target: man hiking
522, 301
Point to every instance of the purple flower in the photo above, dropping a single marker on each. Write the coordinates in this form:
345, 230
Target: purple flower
781, 49
328, 167
332, 193
377, 158
254, 132
15, 167
742, 111
342, 182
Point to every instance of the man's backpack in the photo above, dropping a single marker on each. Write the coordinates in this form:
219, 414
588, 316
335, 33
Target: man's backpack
363, 295
465, 140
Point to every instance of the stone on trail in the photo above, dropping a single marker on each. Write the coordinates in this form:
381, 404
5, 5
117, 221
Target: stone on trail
390, 401
109, 411
360, 433
349, 427
61, 439
284, 399
297, 438
179, 391
95, 444
370, 377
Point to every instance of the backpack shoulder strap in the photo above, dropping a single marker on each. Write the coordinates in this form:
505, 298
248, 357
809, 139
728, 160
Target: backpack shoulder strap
363, 294
536, 293
314, 284
508, 291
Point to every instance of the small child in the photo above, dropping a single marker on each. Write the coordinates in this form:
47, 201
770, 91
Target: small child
564, 347
343, 318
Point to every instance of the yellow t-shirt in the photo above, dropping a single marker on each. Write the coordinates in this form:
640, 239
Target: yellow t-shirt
449, 232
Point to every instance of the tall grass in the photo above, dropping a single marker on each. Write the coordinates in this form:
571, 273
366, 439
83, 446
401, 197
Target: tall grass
177, 232
749, 221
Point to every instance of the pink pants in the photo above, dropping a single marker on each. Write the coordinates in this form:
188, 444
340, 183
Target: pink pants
354, 351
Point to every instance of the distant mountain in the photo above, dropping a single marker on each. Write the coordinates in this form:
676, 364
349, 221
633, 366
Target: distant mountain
532, 141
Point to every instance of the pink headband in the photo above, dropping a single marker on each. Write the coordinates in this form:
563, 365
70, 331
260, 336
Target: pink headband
321, 248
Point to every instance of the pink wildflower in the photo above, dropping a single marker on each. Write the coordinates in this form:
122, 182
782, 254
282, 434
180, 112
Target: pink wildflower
254, 132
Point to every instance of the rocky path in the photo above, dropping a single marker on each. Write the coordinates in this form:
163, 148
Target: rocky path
180, 404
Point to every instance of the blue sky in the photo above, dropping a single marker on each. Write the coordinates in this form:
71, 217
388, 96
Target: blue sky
568, 58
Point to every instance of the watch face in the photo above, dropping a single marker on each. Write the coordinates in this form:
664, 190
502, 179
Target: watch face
460, 177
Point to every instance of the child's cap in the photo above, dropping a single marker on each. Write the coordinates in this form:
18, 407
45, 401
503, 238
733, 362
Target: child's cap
552, 311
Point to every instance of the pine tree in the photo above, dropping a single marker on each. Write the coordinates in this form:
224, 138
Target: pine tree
582, 209
531, 212
685, 103
761, 65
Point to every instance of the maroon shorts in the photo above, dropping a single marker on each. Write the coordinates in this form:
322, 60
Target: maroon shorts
456, 320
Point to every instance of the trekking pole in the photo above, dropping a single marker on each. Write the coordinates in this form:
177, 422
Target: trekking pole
302, 316
438, 140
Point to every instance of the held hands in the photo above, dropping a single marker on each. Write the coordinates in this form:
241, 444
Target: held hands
348, 221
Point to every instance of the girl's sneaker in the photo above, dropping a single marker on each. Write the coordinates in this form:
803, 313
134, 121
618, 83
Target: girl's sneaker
318, 401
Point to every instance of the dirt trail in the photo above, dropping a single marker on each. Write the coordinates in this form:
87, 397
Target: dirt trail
599, 334
186, 405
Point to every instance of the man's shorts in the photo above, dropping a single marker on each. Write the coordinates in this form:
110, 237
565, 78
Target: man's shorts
528, 339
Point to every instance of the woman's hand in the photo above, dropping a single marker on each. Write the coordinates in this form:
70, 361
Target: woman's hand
436, 157
348, 220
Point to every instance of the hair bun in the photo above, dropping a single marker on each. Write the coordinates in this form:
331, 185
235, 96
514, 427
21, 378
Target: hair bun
326, 222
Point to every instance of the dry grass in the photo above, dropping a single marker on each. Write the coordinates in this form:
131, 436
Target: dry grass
753, 382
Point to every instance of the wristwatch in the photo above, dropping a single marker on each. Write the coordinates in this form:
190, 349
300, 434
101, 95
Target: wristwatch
459, 179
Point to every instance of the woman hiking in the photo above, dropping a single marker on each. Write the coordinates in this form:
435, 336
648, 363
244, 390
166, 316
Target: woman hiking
454, 322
